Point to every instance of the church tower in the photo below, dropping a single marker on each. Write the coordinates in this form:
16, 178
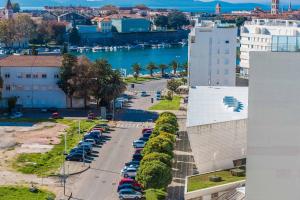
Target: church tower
275, 7
290, 7
8, 10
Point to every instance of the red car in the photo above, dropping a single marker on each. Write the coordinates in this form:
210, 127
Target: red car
147, 130
97, 129
91, 116
130, 181
55, 115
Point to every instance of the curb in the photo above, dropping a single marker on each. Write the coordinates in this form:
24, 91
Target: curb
74, 173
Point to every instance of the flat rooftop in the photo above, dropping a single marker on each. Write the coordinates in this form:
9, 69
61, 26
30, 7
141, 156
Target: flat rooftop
208, 105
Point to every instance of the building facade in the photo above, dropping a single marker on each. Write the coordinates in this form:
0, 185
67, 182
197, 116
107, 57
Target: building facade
273, 156
33, 80
105, 25
127, 25
212, 54
275, 7
258, 34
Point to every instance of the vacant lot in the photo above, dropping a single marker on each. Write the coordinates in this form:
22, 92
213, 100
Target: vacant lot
22, 193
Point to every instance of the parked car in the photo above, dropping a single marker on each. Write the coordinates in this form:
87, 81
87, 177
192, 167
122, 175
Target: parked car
96, 132
86, 146
146, 135
90, 140
145, 139
74, 157
130, 181
147, 130
79, 150
158, 95
91, 116
129, 186
130, 166
144, 94
130, 172
109, 116
103, 126
137, 157
134, 163
16, 115
55, 115
92, 136
138, 151
130, 194
139, 144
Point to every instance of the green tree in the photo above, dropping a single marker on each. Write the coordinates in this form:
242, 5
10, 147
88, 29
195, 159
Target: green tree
167, 120
16, 7
136, 68
162, 68
167, 127
160, 145
185, 67
161, 21
151, 67
11, 102
239, 21
174, 66
177, 19
24, 27
66, 74
173, 85
74, 37
8, 32
154, 174
167, 114
162, 157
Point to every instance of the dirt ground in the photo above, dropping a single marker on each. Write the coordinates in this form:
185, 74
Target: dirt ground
27, 139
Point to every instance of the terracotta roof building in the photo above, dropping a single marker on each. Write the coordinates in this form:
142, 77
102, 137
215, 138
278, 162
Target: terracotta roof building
31, 61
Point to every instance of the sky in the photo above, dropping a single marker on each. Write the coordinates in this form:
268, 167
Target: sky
259, 1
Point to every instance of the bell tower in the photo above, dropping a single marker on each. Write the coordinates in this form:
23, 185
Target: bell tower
275, 7
8, 10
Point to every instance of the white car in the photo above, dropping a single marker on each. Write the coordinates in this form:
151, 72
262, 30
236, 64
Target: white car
139, 144
16, 115
130, 172
129, 194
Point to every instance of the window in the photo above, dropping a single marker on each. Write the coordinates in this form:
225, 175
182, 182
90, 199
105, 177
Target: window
226, 72
56, 76
226, 51
28, 75
44, 75
35, 75
218, 51
227, 41
7, 87
218, 71
226, 61
218, 61
193, 39
7, 75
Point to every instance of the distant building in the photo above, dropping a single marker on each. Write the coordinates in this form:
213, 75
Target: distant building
33, 80
275, 7
258, 34
218, 9
273, 160
212, 54
74, 18
105, 25
127, 25
8, 10
217, 126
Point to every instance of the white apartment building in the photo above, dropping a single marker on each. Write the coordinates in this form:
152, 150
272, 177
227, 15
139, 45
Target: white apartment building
33, 80
212, 54
273, 141
258, 35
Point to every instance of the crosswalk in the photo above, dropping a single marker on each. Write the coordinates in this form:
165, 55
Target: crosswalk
133, 124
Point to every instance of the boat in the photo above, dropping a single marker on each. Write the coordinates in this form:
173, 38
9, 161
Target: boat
96, 49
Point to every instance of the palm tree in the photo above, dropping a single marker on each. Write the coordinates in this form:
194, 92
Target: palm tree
174, 65
162, 68
151, 66
185, 67
136, 68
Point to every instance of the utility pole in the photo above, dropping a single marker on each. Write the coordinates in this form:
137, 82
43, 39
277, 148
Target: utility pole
79, 126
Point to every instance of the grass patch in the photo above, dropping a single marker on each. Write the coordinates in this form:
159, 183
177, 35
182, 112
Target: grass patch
140, 80
21, 193
45, 164
173, 104
155, 194
202, 181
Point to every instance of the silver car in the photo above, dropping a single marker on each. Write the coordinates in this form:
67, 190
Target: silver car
129, 194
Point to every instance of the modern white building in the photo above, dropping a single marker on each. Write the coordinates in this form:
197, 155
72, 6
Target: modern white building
33, 80
212, 54
273, 152
258, 34
217, 126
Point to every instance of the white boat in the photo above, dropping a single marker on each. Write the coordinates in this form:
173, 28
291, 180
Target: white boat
96, 49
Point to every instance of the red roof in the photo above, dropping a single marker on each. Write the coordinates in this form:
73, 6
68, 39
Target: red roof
31, 61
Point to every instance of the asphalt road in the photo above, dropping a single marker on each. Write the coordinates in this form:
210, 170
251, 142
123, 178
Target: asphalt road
101, 180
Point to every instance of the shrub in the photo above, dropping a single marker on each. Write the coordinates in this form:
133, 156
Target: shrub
167, 135
162, 157
154, 175
163, 114
167, 120
155, 194
166, 127
158, 144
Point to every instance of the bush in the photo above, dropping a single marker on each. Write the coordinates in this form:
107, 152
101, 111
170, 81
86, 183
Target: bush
162, 157
154, 175
166, 127
155, 194
167, 120
158, 144
167, 114
167, 135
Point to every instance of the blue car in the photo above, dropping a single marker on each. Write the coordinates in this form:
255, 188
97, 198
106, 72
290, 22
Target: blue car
129, 186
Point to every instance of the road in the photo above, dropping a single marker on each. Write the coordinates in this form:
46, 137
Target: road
101, 180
